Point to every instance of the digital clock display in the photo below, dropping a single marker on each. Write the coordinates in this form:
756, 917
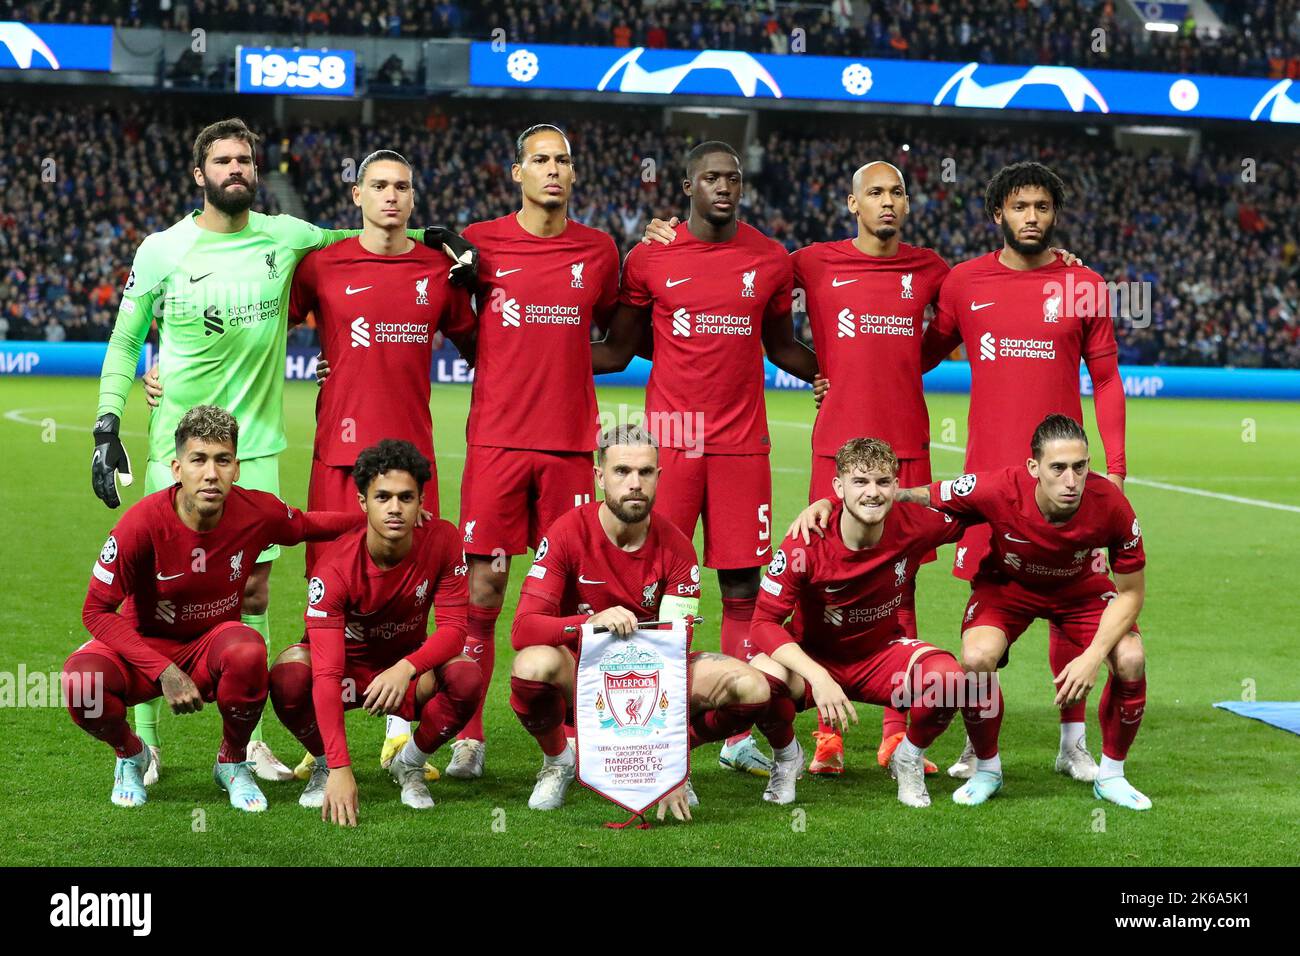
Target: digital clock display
282, 70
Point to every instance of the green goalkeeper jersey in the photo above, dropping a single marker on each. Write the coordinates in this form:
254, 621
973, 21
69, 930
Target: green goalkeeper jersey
221, 301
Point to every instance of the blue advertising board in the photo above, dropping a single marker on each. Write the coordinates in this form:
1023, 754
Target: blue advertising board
1140, 381
52, 46
864, 80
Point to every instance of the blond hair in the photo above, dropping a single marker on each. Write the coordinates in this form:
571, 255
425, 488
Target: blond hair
866, 454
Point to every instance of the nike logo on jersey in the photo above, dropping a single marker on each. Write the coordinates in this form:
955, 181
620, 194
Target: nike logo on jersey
200, 278
831, 590
506, 272
762, 551
351, 291
836, 283
982, 305
672, 282
1008, 536
582, 580
170, 577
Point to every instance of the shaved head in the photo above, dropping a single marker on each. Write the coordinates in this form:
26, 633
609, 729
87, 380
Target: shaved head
862, 172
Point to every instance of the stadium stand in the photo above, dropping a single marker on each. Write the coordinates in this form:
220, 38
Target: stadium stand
1221, 256
1259, 38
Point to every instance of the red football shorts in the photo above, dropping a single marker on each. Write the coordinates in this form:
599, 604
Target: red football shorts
360, 674
733, 493
1011, 608
189, 656
912, 473
510, 496
331, 488
873, 679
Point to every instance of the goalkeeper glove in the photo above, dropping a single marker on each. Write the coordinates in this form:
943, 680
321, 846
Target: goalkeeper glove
463, 255
109, 458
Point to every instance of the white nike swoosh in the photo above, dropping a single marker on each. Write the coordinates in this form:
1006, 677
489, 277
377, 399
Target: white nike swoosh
1016, 540
982, 305
836, 283
831, 590
671, 282
582, 580
762, 551
351, 291
170, 577
507, 272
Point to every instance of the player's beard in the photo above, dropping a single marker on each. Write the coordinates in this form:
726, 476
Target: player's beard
1031, 248
884, 233
230, 204
626, 515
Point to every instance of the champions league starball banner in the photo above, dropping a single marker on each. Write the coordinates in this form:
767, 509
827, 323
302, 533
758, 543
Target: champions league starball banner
988, 86
631, 705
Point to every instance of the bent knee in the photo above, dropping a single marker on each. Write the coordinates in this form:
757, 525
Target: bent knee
1130, 658
979, 660
538, 663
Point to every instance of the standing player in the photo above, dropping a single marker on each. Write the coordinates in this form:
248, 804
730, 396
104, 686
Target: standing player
845, 641
367, 617
716, 298
611, 564
1052, 523
867, 299
378, 299
1026, 319
217, 282
163, 607
545, 281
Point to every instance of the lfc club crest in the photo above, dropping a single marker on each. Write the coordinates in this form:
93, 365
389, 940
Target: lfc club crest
629, 700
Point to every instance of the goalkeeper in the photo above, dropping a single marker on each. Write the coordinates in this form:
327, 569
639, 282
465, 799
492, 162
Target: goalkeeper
217, 282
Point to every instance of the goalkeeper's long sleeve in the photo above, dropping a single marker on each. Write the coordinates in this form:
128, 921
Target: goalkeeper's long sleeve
134, 316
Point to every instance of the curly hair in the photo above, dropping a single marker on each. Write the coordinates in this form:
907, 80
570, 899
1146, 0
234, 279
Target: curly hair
390, 454
868, 454
1017, 176
207, 423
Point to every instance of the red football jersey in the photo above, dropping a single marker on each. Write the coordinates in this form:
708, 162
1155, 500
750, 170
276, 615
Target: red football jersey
536, 303
1025, 333
867, 315
376, 316
370, 617
1026, 547
158, 578
845, 602
579, 570
709, 302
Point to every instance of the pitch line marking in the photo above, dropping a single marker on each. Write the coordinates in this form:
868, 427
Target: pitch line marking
1145, 482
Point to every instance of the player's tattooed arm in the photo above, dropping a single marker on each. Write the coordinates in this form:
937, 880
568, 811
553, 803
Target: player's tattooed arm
612, 353
916, 496
180, 691
657, 230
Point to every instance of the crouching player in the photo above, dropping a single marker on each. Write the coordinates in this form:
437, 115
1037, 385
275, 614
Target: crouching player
845, 641
1053, 523
367, 616
163, 607
610, 563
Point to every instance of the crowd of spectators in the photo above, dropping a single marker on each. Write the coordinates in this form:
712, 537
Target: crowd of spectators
80, 188
1213, 250
1259, 37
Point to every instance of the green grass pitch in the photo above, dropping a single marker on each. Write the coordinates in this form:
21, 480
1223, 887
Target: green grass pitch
1219, 620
